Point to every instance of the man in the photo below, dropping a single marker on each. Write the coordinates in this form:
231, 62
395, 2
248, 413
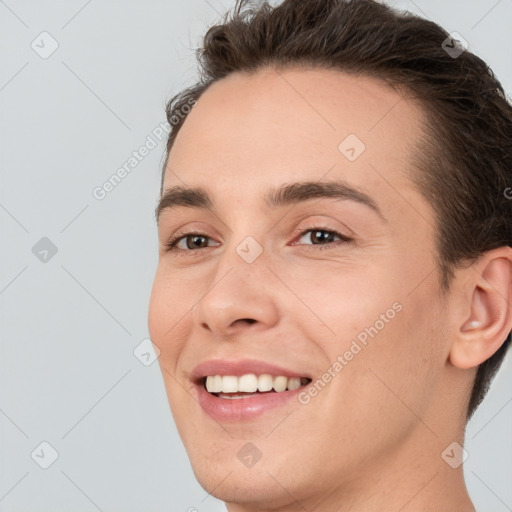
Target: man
334, 283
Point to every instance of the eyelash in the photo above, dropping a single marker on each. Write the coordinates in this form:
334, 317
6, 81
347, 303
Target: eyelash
173, 242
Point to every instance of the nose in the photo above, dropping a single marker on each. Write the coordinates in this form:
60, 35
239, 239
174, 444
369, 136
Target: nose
240, 296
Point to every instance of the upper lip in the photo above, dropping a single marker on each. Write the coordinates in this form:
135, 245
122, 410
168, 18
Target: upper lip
240, 367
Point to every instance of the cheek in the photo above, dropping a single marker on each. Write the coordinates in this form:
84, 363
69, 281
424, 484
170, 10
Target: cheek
341, 298
171, 301
369, 316
398, 368
170, 307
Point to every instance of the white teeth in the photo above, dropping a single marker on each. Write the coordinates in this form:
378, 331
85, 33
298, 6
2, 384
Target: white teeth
293, 383
214, 384
217, 384
280, 383
250, 383
229, 384
265, 382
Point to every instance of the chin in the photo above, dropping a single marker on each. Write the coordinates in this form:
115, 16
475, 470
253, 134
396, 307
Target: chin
252, 488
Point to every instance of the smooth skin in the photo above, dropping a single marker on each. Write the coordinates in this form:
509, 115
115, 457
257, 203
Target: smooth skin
373, 438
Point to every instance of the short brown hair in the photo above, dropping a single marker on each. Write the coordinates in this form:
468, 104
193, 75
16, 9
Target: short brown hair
465, 157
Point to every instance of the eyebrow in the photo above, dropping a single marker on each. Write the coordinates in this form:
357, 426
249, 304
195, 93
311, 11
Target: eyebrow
284, 195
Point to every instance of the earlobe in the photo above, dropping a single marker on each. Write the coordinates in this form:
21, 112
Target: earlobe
485, 328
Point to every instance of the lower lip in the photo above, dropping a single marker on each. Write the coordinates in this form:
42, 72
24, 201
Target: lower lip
242, 409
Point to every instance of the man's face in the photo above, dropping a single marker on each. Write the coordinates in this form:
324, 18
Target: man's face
340, 290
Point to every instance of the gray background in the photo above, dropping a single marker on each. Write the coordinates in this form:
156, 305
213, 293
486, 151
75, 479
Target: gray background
70, 324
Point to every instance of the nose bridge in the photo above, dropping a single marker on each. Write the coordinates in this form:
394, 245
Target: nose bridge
239, 289
243, 258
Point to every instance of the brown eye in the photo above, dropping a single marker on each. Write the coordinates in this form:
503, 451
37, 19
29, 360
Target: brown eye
189, 242
320, 237
195, 241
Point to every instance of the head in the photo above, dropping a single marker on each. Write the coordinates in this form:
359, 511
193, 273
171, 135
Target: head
346, 180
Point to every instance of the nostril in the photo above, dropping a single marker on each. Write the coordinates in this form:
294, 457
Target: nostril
241, 321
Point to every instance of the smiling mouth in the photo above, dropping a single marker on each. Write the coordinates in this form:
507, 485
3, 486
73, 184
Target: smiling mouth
249, 385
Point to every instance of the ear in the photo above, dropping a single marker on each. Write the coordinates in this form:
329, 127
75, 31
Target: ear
486, 320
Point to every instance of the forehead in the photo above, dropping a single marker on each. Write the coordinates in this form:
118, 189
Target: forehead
249, 132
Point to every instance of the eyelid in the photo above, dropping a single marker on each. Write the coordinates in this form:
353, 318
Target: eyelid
198, 228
